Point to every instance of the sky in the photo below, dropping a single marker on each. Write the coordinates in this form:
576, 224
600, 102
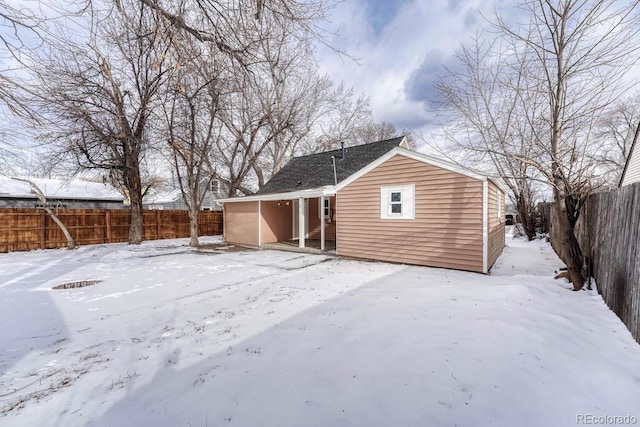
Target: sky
402, 46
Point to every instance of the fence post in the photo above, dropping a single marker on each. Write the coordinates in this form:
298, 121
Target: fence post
157, 225
108, 225
43, 221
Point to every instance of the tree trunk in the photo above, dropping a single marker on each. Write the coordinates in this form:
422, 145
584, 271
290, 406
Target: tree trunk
526, 218
70, 242
135, 227
567, 246
135, 197
193, 227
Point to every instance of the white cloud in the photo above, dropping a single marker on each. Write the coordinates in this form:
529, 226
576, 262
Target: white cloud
392, 56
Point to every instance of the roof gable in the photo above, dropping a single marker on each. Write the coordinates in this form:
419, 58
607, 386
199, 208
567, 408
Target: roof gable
424, 158
316, 170
631, 171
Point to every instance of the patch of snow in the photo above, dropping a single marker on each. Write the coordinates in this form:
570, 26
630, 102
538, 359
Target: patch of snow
55, 188
172, 336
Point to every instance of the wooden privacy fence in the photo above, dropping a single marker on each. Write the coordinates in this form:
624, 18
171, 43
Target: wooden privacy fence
609, 233
23, 229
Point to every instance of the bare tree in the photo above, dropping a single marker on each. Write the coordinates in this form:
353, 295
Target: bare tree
569, 63
225, 24
616, 130
486, 121
45, 205
192, 125
269, 108
341, 120
98, 99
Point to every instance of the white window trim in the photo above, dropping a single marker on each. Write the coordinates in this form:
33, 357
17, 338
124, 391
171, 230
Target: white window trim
499, 197
214, 183
407, 200
327, 208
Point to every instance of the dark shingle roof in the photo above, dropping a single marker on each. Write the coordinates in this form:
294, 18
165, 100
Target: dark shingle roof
316, 170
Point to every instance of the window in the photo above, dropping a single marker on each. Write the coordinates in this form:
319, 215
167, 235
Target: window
499, 201
397, 202
327, 209
214, 186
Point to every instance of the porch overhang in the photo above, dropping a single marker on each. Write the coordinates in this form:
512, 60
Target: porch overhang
299, 197
327, 191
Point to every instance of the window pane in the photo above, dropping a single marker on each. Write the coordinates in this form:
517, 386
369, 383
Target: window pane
396, 196
396, 208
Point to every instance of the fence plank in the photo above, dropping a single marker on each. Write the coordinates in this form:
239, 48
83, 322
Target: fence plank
29, 228
609, 233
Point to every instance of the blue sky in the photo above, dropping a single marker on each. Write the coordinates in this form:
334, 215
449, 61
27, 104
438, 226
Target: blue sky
402, 46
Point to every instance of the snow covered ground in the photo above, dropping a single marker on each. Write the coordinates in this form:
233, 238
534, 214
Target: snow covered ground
174, 337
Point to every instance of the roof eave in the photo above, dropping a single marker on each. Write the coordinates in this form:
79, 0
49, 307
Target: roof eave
329, 190
425, 158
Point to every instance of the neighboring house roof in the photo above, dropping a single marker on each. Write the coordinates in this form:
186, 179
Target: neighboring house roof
59, 189
161, 197
320, 183
316, 170
631, 171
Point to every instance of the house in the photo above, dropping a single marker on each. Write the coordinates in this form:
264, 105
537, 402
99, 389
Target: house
171, 199
75, 194
377, 201
631, 171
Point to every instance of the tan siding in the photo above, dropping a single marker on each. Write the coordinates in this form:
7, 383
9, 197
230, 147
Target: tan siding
276, 221
241, 223
314, 220
446, 231
496, 224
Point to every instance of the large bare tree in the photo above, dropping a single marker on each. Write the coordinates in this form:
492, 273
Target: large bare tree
487, 113
272, 105
566, 66
97, 99
192, 128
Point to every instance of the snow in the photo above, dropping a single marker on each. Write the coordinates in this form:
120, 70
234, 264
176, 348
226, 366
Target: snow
161, 197
178, 337
56, 188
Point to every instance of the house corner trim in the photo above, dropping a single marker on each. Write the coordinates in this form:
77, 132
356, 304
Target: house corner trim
485, 226
259, 223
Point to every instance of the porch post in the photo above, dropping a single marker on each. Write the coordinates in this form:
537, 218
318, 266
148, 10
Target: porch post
301, 221
259, 223
322, 223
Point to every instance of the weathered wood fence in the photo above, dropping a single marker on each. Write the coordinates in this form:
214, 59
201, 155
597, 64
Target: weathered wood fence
609, 233
27, 229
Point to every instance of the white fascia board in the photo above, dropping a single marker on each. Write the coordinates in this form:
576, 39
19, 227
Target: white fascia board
501, 185
424, 158
329, 190
485, 227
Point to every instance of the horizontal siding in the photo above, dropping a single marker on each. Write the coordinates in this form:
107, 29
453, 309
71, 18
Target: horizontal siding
446, 231
241, 223
276, 222
496, 224
632, 174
